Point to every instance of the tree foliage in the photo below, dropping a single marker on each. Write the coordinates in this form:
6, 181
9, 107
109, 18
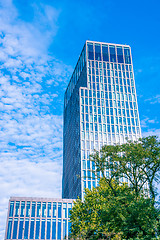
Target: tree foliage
114, 209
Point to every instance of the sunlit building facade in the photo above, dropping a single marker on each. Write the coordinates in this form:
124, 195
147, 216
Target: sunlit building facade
100, 107
38, 218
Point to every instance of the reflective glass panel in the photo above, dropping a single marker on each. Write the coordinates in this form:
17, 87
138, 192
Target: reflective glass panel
98, 52
43, 209
37, 229
64, 228
32, 229
26, 229
22, 209
69, 208
59, 230
105, 53
28, 209
33, 209
20, 229
11, 209
15, 228
17, 209
64, 210
90, 51
43, 229
120, 55
54, 209
38, 209
53, 229
48, 229
49, 210
59, 210
112, 53
9, 229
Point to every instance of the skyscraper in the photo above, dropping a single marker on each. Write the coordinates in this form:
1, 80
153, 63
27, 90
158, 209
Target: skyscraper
100, 107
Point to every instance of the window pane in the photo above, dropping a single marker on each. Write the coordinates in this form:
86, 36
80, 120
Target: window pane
49, 210
11, 209
32, 229
59, 230
54, 209
98, 52
59, 210
112, 53
22, 209
9, 229
64, 229
33, 209
28, 209
20, 229
43, 230
64, 210
69, 227
26, 229
120, 55
90, 51
17, 209
43, 209
15, 228
69, 208
127, 55
38, 209
53, 229
37, 229
105, 53
48, 228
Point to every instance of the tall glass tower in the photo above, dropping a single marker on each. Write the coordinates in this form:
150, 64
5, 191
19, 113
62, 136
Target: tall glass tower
100, 107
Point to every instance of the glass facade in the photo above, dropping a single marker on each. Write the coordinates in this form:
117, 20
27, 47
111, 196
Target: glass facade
38, 218
100, 107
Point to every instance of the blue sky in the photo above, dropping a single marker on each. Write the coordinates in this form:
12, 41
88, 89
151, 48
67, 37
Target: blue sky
40, 43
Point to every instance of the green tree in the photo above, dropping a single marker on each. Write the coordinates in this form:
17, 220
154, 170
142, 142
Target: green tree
116, 210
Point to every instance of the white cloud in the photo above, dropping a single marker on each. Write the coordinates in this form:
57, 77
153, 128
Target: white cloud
31, 86
155, 99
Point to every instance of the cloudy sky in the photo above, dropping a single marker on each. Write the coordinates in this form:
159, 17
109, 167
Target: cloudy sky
40, 41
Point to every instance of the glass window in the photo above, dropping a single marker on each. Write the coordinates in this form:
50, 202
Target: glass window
49, 210
38, 209
65, 209
90, 51
17, 209
9, 228
44, 209
33, 209
120, 54
53, 229
22, 209
69, 227
11, 209
127, 55
59, 230
32, 229
28, 209
64, 229
43, 229
112, 53
69, 208
20, 229
105, 53
26, 229
15, 228
48, 229
59, 210
37, 229
98, 52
